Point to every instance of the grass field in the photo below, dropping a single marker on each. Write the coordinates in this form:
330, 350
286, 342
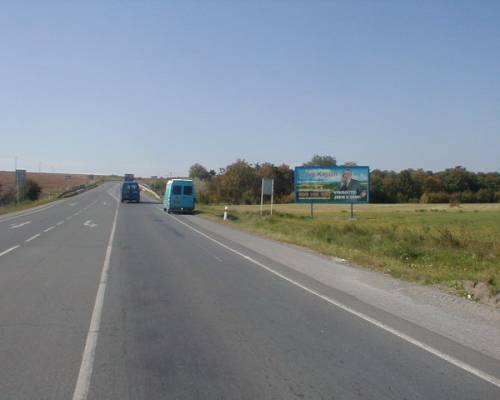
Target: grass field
432, 244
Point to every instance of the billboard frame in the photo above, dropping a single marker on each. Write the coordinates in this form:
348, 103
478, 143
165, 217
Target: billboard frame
295, 189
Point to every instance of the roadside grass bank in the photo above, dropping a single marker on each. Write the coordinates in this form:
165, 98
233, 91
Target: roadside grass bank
46, 199
25, 205
456, 248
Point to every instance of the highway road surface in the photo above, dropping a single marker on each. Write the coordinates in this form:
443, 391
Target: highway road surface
102, 300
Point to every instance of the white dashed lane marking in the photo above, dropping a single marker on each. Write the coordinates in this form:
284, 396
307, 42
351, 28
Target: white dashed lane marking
32, 238
8, 250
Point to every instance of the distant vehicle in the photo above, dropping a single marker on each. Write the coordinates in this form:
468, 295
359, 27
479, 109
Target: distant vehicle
131, 192
179, 196
128, 177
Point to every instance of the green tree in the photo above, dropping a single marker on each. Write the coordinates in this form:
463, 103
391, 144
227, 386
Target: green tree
199, 171
433, 183
239, 184
408, 187
458, 179
322, 161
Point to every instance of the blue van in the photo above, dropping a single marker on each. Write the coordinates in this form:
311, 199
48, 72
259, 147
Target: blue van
130, 192
179, 195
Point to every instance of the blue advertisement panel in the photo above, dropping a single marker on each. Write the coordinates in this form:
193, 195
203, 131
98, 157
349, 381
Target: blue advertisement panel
339, 184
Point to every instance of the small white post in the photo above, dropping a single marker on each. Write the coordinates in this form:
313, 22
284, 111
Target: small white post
225, 213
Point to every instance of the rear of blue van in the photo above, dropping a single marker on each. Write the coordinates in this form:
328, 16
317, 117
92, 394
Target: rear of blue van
130, 192
179, 196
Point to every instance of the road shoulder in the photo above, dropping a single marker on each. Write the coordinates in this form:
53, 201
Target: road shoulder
474, 325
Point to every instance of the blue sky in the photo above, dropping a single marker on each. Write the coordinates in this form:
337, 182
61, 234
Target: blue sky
152, 87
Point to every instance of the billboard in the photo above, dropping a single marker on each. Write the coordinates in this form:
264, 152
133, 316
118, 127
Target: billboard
339, 184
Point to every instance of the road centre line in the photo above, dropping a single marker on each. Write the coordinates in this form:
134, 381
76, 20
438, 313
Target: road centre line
32, 238
85, 374
112, 195
60, 223
417, 343
8, 250
49, 228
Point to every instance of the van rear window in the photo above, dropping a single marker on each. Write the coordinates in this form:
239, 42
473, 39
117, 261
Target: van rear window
177, 189
188, 190
131, 187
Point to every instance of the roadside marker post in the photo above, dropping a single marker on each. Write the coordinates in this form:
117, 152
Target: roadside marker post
225, 213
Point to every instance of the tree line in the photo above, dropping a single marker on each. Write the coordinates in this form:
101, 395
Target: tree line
240, 183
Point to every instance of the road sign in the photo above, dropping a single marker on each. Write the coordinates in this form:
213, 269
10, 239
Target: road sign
267, 186
20, 177
268, 190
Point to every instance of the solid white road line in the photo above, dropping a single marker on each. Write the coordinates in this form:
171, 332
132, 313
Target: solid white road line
446, 357
49, 228
23, 214
8, 250
32, 237
84, 376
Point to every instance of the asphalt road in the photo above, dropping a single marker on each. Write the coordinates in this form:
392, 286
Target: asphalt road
102, 300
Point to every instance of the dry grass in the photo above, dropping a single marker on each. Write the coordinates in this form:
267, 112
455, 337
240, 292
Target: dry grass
432, 243
49, 182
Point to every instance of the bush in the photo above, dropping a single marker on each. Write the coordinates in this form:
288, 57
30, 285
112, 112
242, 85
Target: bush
30, 191
7, 196
469, 197
203, 197
435, 197
485, 196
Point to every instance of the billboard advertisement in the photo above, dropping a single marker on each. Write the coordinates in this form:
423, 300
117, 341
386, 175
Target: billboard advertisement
339, 184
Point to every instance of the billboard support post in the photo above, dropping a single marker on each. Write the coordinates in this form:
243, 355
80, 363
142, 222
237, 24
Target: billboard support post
312, 210
352, 210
